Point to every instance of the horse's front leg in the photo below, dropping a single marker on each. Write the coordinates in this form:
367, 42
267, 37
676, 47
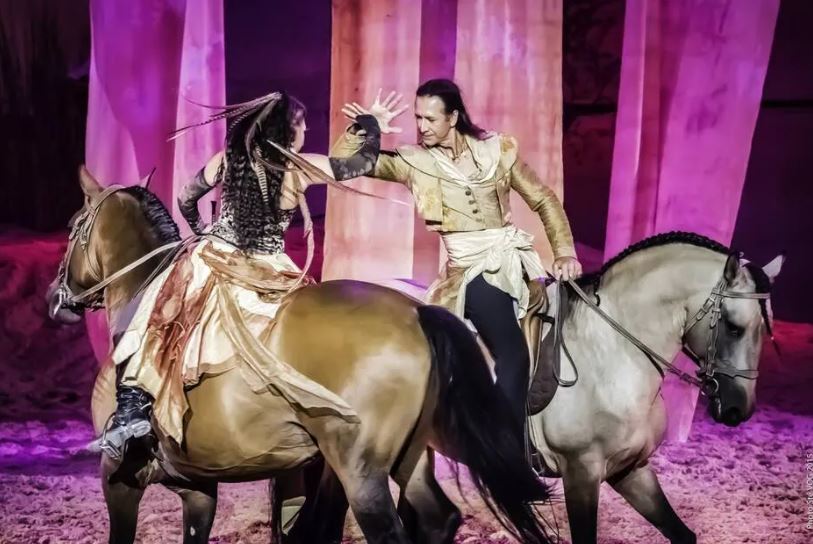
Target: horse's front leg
581, 481
640, 488
322, 517
122, 498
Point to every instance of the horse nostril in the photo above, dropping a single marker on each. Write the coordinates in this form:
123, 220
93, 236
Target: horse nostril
732, 416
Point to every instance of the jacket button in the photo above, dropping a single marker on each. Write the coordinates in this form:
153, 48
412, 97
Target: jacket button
472, 202
468, 192
475, 211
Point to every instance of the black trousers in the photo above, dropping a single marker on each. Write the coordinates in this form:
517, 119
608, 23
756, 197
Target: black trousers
492, 313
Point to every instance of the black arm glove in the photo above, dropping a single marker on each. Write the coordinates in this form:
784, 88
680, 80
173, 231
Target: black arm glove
188, 201
363, 161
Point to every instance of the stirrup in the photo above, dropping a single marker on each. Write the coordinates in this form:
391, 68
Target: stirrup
113, 441
533, 456
537, 464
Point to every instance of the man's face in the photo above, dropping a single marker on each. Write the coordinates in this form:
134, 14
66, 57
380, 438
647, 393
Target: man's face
434, 124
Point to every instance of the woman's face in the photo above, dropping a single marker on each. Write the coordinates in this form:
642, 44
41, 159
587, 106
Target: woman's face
299, 134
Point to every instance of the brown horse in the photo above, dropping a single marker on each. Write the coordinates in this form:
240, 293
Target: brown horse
412, 373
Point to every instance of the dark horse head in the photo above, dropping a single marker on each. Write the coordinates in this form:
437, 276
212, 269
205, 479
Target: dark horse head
139, 223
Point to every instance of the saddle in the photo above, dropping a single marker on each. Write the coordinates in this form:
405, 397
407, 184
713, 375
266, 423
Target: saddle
543, 347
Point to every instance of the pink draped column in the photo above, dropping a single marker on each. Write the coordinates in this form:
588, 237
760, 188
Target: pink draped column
691, 83
202, 80
509, 64
146, 58
507, 56
378, 44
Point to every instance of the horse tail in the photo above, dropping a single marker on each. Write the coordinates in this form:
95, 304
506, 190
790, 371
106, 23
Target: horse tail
474, 419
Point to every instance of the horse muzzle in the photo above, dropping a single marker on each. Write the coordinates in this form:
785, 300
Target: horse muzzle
730, 417
60, 308
731, 404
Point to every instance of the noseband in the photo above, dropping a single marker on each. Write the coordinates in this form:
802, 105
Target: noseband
710, 365
93, 297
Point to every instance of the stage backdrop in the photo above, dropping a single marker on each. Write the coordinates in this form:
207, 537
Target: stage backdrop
147, 58
507, 57
375, 44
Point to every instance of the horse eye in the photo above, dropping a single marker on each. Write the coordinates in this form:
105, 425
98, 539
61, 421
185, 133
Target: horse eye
734, 330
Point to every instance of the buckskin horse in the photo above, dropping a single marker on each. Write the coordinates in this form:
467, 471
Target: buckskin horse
412, 374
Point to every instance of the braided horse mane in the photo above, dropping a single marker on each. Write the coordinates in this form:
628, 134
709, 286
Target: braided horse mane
761, 280
156, 213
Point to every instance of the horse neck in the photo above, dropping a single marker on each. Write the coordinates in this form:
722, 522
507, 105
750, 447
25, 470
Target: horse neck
651, 292
125, 236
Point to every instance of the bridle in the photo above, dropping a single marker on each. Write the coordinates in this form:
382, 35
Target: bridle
710, 365
80, 233
93, 297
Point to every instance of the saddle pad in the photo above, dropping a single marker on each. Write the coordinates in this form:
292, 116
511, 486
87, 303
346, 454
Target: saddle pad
548, 365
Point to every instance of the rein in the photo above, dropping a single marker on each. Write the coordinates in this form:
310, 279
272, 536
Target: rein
709, 365
92, 298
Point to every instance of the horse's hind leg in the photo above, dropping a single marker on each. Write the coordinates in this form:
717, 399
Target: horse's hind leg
199, 506
428, 514
640, 488
122, 504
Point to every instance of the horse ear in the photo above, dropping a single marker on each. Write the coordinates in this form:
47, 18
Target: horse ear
89, 185
145, 182
732, 267
773, 268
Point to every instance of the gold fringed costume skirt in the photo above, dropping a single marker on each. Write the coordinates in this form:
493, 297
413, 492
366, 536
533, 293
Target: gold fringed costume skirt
209, 312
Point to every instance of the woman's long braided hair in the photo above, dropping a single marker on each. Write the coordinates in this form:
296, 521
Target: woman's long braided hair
251, 190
